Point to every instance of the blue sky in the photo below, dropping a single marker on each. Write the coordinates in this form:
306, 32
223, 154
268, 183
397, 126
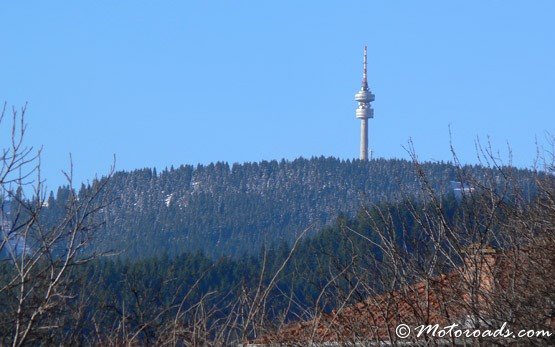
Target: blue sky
168, 83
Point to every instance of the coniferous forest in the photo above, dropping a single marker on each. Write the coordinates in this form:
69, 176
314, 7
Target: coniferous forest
232, 210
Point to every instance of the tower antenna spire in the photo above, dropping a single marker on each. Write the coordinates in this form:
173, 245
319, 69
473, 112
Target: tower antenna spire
364, 73
364, 110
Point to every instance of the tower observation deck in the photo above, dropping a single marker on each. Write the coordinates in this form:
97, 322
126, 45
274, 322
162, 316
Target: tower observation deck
364, 110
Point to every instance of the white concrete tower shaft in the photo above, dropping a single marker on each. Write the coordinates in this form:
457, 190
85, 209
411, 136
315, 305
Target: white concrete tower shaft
364, 110
364, 139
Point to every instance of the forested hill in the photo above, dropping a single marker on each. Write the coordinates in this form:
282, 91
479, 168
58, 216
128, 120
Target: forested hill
225, 209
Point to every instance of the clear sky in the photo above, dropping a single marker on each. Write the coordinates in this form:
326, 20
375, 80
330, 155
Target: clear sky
162, 83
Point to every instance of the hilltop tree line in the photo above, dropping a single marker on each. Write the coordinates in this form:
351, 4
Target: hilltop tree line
224, 209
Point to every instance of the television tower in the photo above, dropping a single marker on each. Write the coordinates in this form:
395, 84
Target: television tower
364, 111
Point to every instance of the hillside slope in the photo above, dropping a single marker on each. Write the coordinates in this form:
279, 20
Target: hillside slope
225, 209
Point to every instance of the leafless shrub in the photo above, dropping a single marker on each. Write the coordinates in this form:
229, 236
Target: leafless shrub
38, 257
